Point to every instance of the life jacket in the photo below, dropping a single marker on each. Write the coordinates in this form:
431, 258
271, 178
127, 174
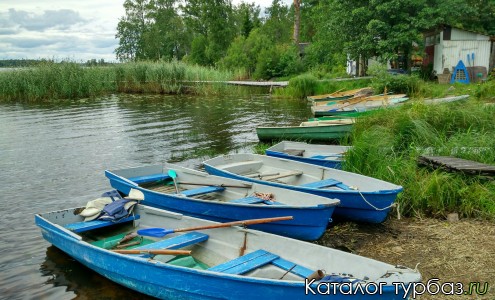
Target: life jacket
111, 206
117, 210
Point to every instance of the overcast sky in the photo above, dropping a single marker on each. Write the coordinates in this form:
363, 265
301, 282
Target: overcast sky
63, 29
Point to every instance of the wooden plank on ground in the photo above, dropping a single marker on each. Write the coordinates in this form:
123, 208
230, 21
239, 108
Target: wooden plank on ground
451, 163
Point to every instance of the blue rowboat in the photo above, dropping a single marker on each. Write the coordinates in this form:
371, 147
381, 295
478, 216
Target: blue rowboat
225, 263
223, 200
362, 198
330, 156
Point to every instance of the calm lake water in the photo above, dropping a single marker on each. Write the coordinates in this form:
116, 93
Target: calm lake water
52, 156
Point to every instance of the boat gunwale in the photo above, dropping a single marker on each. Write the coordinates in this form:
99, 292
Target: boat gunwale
164, 266
321, 206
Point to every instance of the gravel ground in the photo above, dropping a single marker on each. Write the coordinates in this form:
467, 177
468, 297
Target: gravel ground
462, 251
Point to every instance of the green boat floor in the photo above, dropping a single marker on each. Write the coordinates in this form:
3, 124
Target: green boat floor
188, 261
112, 241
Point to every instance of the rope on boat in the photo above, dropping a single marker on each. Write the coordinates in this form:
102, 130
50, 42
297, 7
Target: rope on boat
376, 208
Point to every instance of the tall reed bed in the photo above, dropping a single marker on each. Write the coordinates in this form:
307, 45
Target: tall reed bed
388, 143
168, 78
69, 80
55, 81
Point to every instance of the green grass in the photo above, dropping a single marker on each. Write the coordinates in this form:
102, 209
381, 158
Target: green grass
306, 85
388, 143
55, 81
69, 80
261, 147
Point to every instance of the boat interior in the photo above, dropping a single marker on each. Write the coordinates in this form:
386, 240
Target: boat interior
230, 250
299, 174
212, 188
330, 152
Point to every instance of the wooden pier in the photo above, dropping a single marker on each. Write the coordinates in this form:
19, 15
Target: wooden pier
451, 163
269, 83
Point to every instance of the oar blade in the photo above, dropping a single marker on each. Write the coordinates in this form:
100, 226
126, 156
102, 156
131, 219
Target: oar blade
155, 232
172, 173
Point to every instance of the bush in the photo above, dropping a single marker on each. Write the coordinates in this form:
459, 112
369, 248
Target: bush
267, 64
302, 86
403, 84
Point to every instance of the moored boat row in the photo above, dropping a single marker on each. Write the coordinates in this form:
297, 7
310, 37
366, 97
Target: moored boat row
158, 231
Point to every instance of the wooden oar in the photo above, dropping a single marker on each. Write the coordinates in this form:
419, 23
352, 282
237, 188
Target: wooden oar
246, 185
356, 101
154, 252
172, 174
261, 175
160, 232
292, 173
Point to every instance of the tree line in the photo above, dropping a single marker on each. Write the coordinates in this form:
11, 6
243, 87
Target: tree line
265, 43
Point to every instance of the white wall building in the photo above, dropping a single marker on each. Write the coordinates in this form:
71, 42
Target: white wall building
445, 46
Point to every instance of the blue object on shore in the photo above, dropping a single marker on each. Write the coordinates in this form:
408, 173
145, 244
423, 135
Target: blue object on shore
461, 73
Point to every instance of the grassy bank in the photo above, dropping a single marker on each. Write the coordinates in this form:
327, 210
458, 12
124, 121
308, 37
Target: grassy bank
68, 80
388, 143
307, 84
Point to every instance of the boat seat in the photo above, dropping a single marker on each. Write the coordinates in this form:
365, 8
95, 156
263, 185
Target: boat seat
202, 190
242, 166
326, 183
149, 178
294, 268
293, 152
254, 200
245, 263
175, 242
259, 258
90, 225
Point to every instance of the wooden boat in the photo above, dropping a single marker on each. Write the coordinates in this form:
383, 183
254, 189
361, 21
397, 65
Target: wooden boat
217, 263
358, 104
361, 198
312, 130
330, 156
344, 115
340, 95
358, 99
222, 199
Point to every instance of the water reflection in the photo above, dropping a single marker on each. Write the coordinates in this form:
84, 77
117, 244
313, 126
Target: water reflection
61, 270
52, 156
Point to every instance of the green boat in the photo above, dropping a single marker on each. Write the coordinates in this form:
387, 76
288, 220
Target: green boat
308, 131
343, 115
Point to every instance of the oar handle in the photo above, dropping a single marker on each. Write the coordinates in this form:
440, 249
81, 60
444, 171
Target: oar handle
154, 251
246, 185
237, 223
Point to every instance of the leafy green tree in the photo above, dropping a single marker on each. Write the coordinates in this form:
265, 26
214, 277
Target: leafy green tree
214, 20
244, 52
278, 23
151, 29
198, 50
130, 30
247, 17
166, 38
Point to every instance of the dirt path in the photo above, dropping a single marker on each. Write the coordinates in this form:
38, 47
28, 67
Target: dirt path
461, 251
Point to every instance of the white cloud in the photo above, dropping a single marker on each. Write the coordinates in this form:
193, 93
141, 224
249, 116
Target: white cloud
64, 29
